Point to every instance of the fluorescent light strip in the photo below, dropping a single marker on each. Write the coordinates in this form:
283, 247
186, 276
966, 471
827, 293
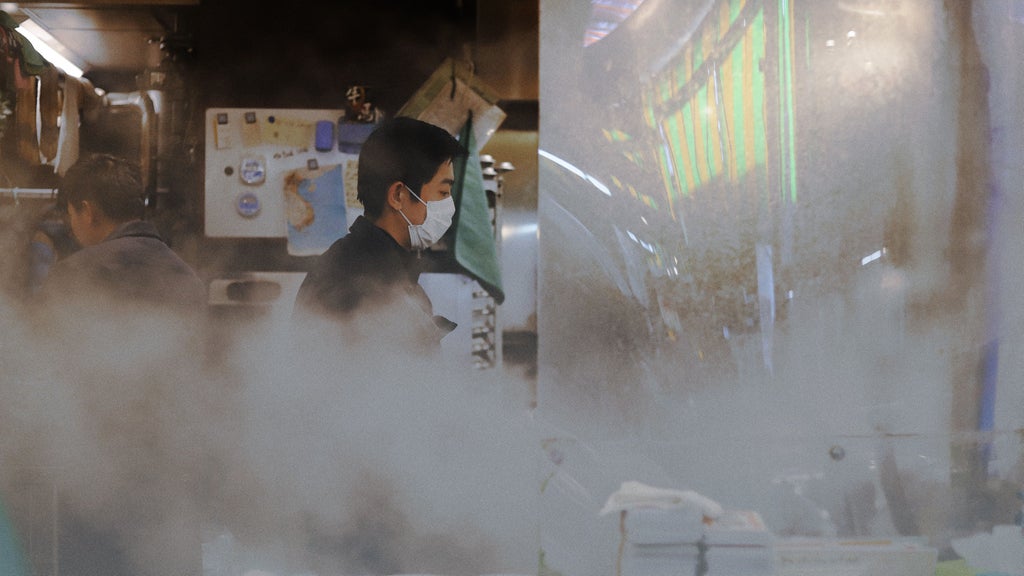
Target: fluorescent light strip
35, 34
871, 258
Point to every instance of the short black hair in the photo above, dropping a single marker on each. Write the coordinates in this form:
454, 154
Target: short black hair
401, 149
111, 183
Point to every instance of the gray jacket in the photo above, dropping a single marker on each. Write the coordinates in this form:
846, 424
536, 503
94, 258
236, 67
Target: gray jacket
132, 265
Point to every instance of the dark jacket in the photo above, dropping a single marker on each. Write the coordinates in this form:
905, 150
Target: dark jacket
368, 272
131, 266
104, 299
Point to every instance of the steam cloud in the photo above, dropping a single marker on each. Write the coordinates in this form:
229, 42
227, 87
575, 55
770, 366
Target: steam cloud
265, 446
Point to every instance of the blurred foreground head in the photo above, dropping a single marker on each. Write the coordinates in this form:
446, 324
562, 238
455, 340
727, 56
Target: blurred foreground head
124, 264
100, 192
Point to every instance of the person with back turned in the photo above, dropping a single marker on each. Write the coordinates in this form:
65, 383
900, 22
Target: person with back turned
124, 316
123, 313
122, 260
369, 277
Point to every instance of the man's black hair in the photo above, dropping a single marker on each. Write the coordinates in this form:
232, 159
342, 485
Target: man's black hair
110, 183
403, 150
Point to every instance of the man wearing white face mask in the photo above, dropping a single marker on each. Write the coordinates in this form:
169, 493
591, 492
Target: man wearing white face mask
435, 224
405, 180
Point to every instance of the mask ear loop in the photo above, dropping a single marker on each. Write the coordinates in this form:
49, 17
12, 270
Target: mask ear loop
414, 195
402, 214
404, 217
419, 251
399, 210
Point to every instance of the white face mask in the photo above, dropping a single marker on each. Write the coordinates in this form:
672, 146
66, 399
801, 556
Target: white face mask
438, 220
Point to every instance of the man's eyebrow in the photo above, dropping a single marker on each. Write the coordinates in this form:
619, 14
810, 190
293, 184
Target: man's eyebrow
448, 181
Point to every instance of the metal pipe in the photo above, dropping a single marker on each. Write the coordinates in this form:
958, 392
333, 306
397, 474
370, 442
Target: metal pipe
29, 193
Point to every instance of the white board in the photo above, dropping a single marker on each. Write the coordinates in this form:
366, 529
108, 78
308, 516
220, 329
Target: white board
249, 153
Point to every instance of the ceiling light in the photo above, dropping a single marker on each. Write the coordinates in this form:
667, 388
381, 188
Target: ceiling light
49, 48
871, 257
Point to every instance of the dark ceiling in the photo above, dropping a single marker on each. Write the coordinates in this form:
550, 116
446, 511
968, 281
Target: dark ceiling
106, 39
307, 58
237, 53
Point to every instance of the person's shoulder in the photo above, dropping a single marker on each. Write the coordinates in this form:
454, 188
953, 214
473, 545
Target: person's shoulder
335, 256
137, 228
363, 244
80, 259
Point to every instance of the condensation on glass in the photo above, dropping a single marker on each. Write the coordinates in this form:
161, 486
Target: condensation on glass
780, 266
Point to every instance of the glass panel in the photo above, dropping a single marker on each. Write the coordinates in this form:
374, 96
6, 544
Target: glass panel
780, 268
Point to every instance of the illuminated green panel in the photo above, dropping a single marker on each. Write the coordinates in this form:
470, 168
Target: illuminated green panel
760, 138
691, 144
734, 9
737, 116
666, 160
704, 165
667, 179
679, 98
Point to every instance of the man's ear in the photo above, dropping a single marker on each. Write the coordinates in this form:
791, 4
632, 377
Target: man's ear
88, 211
394, 195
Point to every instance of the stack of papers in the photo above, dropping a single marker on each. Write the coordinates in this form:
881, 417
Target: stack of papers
655, 526
661, 560
668, 532
739, 544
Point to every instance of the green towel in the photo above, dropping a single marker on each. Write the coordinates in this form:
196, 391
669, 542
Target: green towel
475, 249
32, 62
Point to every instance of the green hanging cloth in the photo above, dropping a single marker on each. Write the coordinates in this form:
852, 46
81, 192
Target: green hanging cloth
32, 62
475, 249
